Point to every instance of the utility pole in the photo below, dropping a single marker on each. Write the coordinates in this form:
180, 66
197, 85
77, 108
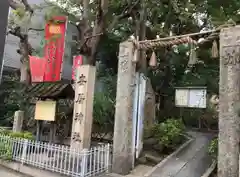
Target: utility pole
4, 11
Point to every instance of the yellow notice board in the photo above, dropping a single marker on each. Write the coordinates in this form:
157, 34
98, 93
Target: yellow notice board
45, 110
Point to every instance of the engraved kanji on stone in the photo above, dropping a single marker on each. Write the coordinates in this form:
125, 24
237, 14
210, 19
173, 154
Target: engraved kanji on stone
231, 55
80, 98
124, 65
76, 137
82, 80
78, 117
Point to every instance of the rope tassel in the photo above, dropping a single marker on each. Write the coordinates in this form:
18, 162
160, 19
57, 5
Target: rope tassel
215, 52
153, 60
192, 57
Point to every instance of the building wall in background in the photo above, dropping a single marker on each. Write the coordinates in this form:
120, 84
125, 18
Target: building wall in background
4, 10
11, 57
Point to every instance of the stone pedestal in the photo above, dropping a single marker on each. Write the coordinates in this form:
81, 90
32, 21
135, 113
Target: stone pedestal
229, 98
83, 107
18, 121
122, 144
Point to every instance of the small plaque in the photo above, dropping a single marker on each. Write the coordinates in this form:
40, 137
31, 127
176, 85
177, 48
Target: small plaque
54, 29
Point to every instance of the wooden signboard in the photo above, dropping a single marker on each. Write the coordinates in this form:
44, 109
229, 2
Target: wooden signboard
45, 110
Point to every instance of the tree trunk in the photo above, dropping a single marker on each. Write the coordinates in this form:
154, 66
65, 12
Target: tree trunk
25, 51
25, 74
229, 90
142, 36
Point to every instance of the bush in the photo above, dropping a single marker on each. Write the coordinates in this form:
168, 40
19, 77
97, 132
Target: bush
23, 135
169, 133
213, 148
103, 112
6, 147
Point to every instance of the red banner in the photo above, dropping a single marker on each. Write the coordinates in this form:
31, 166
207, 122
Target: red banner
77, 61
54, 48
37, 68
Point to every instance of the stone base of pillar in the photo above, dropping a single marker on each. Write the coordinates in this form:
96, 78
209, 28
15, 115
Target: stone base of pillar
122, 164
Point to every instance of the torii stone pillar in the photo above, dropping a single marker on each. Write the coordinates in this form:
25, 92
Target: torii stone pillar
229, 97
122, 143
83, 107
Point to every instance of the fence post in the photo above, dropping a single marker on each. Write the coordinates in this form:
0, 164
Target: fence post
84, 162
107, 157
24, 152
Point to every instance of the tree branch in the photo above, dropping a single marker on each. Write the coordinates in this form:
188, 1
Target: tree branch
14, 5
16, 32
27, 6
35, 29
125, 13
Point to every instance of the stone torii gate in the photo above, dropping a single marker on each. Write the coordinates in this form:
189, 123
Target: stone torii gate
229, 105
122, 144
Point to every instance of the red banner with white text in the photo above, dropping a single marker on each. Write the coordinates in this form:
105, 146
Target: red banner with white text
77, 61
54, 49
37, 68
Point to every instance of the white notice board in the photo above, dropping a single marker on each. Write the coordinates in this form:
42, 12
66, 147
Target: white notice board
181, 97
197, 99
191, 97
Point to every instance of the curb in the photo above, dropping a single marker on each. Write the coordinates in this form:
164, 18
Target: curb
27, 171
210, 169
168, 157
15, 172
14, 167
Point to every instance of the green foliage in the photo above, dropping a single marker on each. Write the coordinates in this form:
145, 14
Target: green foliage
20, 12
6, 147
169, 133
23, 135
103, 111
6, 150
13, 98
104, 102
213, 148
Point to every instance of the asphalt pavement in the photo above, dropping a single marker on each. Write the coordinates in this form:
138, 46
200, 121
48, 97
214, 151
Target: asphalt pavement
9, 173
192, 161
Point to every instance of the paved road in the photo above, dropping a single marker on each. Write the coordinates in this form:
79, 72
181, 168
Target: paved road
7, 173
191, 161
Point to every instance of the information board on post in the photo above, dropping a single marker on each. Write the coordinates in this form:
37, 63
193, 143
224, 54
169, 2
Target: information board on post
45, 110
192, 97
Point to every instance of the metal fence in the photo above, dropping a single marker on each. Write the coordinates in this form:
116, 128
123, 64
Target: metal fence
57, 158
